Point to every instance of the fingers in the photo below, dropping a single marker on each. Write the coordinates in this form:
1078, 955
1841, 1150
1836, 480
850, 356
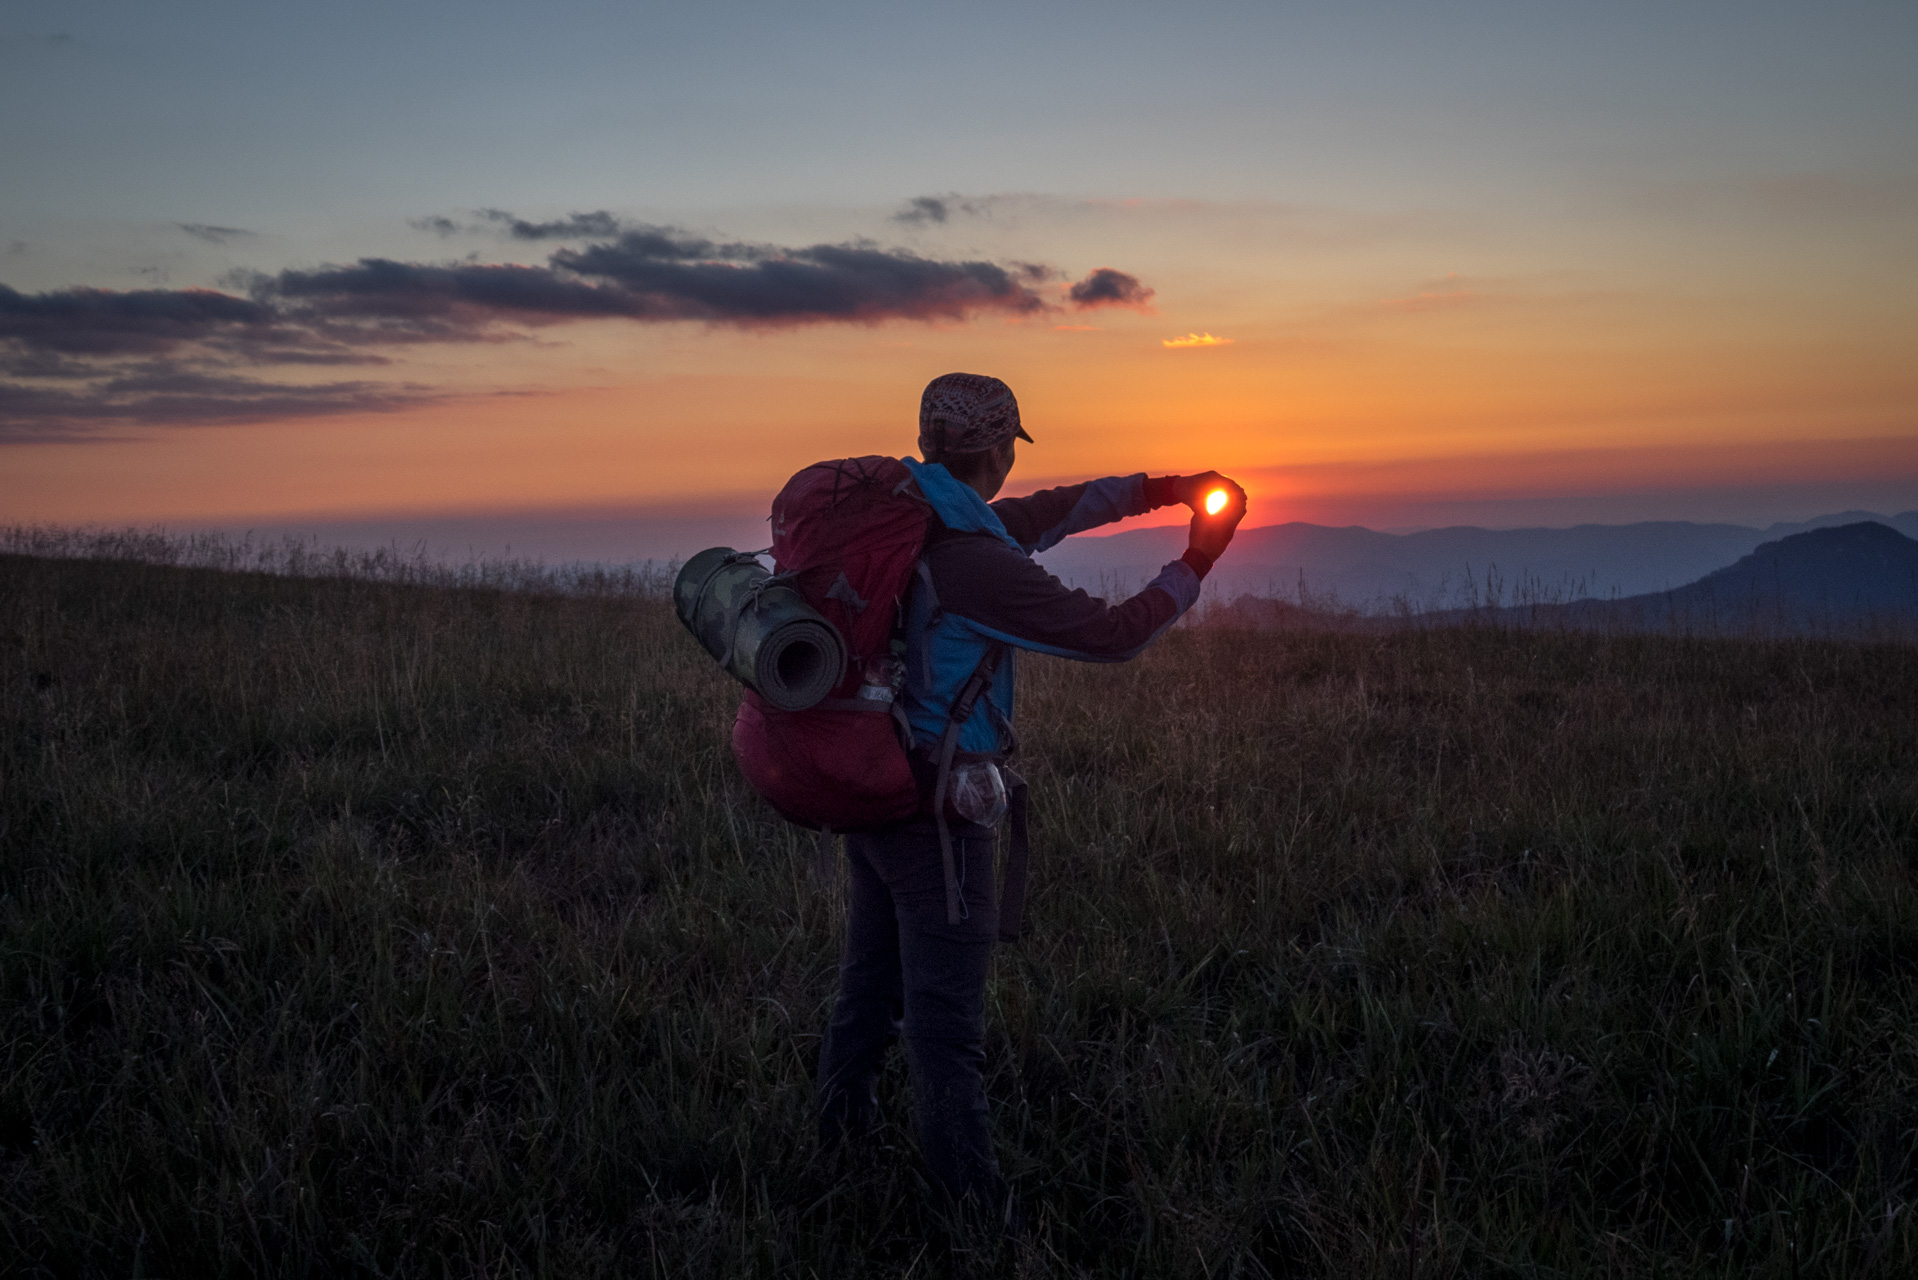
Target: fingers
1212, 533
1192, 490
1235, 504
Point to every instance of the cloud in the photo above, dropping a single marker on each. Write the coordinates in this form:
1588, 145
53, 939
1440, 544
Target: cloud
760, 285
77, 359
648, 274
378, 300
598, 225
921, 210
1108, 287
163, 393
107, 322
214, 235
21, 363
83, 356
1195, 340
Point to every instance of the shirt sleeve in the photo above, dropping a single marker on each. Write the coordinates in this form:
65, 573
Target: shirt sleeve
1050, 516
1013, 599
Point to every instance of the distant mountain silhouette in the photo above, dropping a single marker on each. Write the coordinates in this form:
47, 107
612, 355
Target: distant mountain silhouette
1855, 568
1858, 579
1440, 568
1854, 579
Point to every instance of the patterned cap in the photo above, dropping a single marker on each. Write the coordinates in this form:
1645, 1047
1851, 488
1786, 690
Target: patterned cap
967, 413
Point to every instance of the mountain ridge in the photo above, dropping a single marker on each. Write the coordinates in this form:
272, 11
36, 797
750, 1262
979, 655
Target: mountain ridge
1858, 580
1836, 577
1435, 569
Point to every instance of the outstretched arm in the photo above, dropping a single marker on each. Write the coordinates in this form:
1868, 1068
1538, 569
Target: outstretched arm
1050, 516
1006, 595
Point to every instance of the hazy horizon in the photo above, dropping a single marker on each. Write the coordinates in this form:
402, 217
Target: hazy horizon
612, 536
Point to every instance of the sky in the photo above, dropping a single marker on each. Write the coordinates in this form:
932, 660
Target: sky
598, 277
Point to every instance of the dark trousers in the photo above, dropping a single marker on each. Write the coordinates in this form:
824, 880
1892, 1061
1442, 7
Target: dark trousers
906, 973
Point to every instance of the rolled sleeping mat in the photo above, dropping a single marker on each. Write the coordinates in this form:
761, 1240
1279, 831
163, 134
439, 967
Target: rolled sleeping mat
762, 631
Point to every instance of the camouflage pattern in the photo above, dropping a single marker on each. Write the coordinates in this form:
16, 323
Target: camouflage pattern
762, 632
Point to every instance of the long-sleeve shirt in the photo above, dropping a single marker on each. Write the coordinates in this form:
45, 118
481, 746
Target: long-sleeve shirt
979, 587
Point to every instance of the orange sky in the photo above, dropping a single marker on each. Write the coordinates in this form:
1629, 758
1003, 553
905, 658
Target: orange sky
1340, 407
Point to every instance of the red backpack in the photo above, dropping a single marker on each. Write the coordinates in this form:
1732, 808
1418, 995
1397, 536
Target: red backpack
846, 535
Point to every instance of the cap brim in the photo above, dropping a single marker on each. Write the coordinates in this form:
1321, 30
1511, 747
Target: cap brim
1021, 433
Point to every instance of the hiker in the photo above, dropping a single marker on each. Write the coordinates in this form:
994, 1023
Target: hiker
908, 970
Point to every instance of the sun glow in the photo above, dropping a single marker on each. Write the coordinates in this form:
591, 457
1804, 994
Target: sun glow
1215, 502
1196, 340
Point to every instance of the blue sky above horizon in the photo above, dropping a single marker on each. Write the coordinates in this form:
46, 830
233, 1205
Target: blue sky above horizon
1470, 257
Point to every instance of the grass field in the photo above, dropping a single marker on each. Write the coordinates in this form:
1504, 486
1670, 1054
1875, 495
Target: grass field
358, 927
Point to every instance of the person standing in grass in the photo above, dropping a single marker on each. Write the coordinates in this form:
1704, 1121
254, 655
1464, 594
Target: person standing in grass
907, 970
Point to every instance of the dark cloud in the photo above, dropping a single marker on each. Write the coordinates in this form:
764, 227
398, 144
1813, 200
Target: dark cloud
598, 225
106, 322
674, 278
921, 210
90, 356
79, 359
164, 394
645, 274
379, 300
22, 363
649, 274
312, 354
214, 235
1107, 287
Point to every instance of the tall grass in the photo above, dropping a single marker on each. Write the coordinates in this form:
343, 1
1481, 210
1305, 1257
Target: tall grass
354, 926
307, 557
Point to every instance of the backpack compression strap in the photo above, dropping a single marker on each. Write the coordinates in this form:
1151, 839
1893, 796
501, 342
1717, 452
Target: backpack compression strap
962, 706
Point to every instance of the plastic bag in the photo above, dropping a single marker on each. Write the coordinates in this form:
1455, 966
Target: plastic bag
977, 793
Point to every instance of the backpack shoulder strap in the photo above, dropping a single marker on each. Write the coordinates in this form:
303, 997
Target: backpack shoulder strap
976, 684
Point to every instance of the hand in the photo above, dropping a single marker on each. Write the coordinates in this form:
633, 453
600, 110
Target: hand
1212, 534
1191, 490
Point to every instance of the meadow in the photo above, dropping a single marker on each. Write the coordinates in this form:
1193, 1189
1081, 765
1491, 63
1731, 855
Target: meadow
353, 925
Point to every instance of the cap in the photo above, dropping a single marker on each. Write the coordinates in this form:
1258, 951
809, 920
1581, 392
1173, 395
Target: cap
967, 413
